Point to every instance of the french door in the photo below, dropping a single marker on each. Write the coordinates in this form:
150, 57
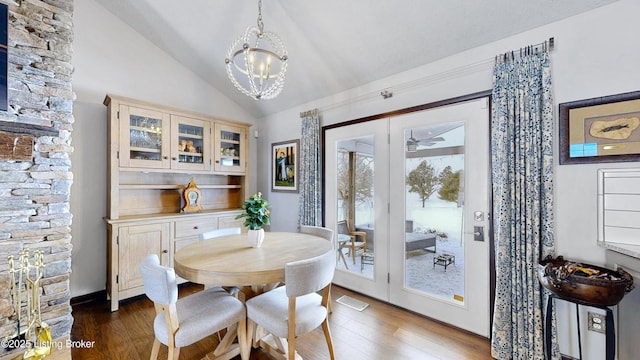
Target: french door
440, 201
414, 188
356, 185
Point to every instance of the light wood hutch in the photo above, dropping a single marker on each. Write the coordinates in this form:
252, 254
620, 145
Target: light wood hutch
153, 152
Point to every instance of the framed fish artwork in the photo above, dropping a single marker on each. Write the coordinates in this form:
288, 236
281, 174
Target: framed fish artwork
604, 129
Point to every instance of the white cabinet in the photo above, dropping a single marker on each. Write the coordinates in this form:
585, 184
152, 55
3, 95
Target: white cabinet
153, 153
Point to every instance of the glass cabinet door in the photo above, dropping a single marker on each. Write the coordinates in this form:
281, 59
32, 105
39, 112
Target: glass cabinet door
144, 138
229, 148
191, 144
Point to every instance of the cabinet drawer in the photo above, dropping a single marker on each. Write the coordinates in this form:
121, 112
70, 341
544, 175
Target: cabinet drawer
187, 228
230, 221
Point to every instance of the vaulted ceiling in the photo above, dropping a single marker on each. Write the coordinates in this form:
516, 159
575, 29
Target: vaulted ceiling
333, 45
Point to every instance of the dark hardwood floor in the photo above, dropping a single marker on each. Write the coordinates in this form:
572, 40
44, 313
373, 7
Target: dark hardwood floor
381, 331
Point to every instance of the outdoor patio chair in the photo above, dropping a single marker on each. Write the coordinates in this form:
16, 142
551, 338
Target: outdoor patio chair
358, 239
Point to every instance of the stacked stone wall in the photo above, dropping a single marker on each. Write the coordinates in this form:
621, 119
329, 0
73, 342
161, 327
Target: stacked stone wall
34, 194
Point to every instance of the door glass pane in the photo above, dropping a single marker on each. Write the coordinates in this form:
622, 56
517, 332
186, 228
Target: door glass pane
356, 235
434, 198
190, 144
145, 138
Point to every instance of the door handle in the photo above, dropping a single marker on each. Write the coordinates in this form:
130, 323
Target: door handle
478, 233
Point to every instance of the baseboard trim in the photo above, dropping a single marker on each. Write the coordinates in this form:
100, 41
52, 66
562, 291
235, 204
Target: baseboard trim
100, 295
567, 357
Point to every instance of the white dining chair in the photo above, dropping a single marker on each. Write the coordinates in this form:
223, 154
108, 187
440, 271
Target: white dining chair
319, 231
327, 234
220, 232
182, 322
296, 308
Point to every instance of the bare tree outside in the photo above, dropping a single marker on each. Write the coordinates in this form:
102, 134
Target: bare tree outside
423, 181
363, 180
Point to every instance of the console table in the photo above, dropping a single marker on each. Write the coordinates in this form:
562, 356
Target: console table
609, 327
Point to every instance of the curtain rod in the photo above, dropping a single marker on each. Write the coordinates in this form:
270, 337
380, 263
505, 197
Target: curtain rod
441, 76
312, 112
547, 45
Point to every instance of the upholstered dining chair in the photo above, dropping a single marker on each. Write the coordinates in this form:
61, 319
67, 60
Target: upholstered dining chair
182, 322
325, 233
320, 231
220, 232
344, 227
296, 308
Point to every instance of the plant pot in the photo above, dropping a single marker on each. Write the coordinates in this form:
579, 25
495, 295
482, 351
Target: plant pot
256, 237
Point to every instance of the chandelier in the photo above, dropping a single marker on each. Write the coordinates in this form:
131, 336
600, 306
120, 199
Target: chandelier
257, 61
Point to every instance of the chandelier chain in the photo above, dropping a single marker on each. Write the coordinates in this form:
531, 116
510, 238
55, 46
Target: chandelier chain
260, 24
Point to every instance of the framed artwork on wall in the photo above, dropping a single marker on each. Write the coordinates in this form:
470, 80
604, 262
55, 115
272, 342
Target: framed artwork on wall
604, 129
284, 165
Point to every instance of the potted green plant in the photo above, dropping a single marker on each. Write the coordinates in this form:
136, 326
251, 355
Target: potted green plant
256, 214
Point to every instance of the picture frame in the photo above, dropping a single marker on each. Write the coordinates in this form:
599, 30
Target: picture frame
285, 166
599, 130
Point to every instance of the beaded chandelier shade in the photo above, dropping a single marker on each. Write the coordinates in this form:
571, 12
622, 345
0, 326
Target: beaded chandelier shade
257, 62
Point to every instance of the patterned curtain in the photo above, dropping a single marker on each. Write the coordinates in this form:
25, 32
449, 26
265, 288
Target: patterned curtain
522, 177
310, 210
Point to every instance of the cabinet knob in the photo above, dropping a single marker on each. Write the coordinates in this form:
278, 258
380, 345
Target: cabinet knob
195, 228
165, 157
165, 251
174, 158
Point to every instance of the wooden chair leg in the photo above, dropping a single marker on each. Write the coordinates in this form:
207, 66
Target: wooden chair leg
291, 333
327, 337
252, 334
291, 349
227, 340
344, 260
352, 250
174, 353
155, 349
245, 348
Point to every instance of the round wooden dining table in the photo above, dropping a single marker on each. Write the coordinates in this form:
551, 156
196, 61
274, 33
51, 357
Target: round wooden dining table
231, 261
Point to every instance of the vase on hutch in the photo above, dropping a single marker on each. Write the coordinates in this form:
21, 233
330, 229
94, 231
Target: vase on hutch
256, 237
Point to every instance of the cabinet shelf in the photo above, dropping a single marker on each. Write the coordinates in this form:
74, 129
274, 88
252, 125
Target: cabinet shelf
223, 141
190, 136
144, 149
190, 154
145, 129
173, 186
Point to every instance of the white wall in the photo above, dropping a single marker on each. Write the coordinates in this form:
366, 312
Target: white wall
596, 55
110, 57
